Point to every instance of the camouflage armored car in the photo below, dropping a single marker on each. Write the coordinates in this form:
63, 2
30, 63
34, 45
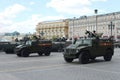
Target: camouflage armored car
3, 44
9, 48
90, 48
34, 46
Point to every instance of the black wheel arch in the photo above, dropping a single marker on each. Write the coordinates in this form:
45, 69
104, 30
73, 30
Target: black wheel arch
24, 49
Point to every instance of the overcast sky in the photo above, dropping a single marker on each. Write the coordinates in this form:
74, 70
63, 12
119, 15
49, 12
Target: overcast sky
23, 15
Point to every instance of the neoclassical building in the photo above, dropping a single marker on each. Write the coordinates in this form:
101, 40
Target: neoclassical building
52, 29
108, 24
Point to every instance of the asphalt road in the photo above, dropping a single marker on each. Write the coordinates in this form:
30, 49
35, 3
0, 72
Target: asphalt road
54, 67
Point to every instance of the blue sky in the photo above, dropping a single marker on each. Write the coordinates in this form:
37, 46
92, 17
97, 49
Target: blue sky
23, 15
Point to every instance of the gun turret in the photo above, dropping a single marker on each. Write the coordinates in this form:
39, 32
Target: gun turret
93, 34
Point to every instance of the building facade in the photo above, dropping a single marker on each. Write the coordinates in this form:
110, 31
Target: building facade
108, 24
52, 29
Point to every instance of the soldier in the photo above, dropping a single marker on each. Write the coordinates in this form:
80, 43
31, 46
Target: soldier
94, 34
75, 40
16, 40
90, 34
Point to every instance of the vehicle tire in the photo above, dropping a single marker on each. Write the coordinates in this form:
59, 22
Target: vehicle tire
18, 54
69, 60
40, 53
108, 55
24, 53
9, 51
47, 53
84, 57
119, 46
6, 51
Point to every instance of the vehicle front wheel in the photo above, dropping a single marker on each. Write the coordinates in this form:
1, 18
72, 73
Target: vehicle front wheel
84, 57
24, 53
7, 51
108, 55
69, 60
40, 53
47, 54
18, 54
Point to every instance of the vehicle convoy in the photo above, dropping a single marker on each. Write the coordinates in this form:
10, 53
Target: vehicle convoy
34, 46
88, 49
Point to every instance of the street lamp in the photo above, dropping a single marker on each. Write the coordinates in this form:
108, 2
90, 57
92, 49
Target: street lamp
42, 33
114, 18
96, 11
73, 30
87, 22
111, 27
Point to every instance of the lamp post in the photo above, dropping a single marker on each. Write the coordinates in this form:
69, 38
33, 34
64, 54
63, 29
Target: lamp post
73, 30
87, 22
115, 33
42, 33
96, 11
111, 27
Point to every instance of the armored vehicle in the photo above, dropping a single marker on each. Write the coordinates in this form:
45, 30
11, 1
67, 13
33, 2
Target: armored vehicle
3, 44
57, 46
34, 46
117, 44
90, 48
9, 48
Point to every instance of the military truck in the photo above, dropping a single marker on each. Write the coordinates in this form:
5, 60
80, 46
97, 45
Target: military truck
88, 49
34, 46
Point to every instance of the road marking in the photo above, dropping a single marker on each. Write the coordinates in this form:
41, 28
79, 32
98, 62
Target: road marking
60, 66
23, 61
33, 68
101, 70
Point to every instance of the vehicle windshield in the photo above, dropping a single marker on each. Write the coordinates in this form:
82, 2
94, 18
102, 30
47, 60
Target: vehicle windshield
78, 42
28, 43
